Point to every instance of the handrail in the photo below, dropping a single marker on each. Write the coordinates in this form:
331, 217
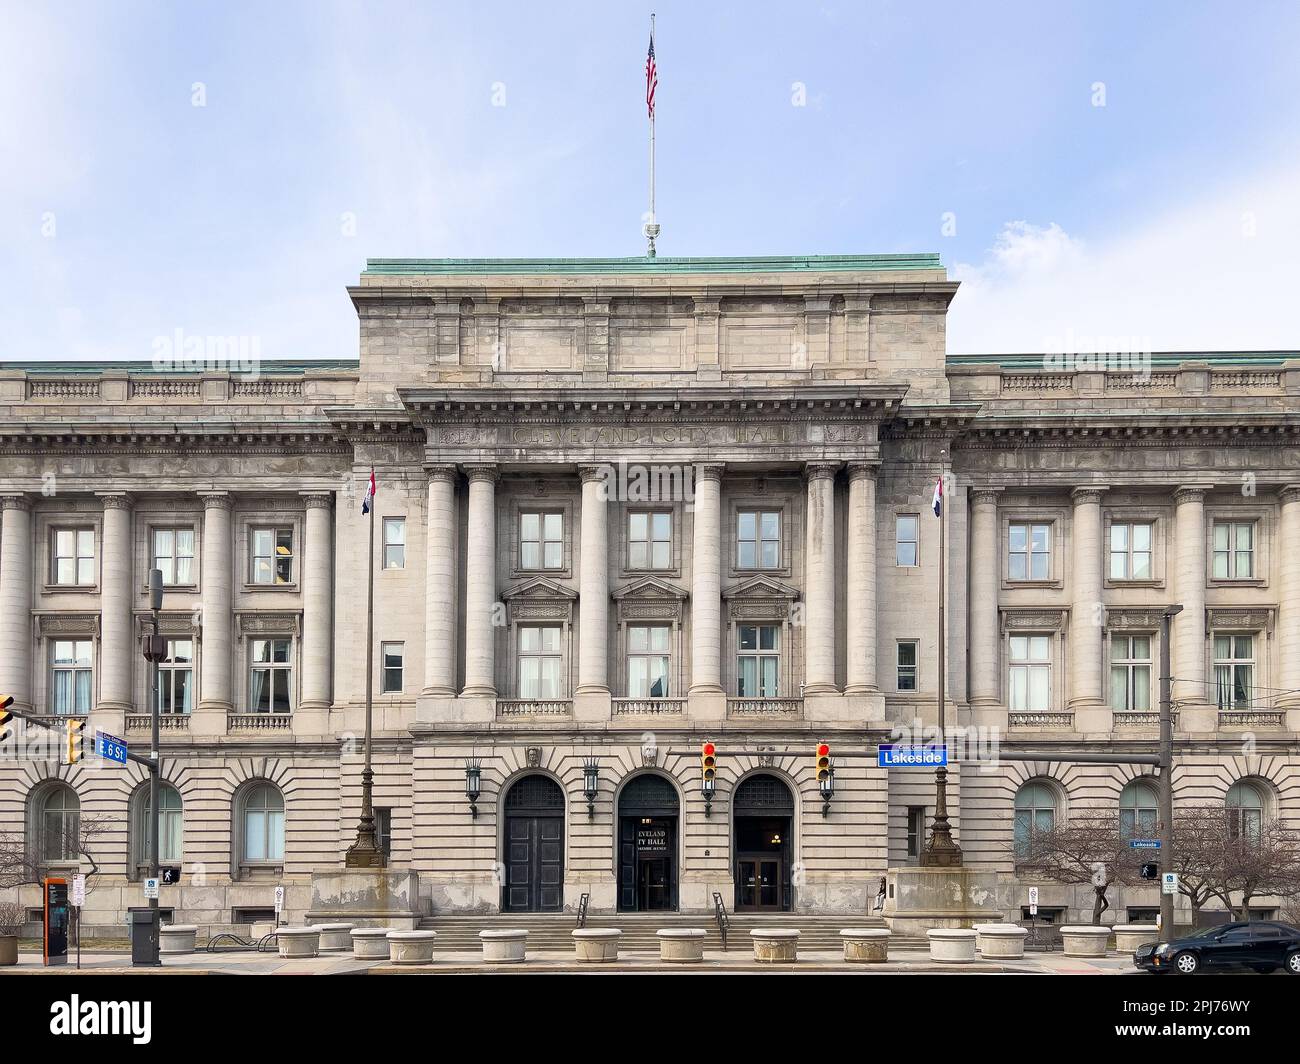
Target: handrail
720, 915
582, 909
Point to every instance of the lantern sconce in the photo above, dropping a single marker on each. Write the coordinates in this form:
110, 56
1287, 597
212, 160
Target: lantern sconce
709, 787
827, 787
473, 784
591, 784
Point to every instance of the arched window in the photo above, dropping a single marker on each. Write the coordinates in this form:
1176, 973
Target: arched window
57, 825
1139, 811
262, 823
171, 830
1245, 805
1035, 815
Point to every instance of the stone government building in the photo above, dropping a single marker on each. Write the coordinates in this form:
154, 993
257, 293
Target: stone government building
560, 629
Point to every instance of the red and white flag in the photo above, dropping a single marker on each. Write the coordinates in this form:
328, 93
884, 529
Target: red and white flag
369, 500
651, 77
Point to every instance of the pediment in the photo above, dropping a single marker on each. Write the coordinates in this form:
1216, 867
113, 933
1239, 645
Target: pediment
762, 587
650, 587
538, 588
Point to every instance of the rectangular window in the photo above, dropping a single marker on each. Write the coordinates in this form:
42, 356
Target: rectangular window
647, 661
176, 677
1029, 553
915, 830
758, 539
394, 542
173, 554
271, 682
1234, 670
73, 557
1234, 550
539, 662
1130, 673
272, 555
1031, 674
390, 657
1130, 552
907, 550
650, 540
384, 830
541, 541
907, 666
71, 679
758, 664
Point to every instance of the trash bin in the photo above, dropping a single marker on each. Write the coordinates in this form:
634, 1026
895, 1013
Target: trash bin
144, 935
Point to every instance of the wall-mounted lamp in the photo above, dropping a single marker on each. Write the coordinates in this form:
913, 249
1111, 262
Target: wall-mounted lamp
473, 783
591, 784
708, 787
827, 787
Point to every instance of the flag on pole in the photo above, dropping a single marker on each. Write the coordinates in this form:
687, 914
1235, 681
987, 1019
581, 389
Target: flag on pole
651, 77
938, 498
369, 500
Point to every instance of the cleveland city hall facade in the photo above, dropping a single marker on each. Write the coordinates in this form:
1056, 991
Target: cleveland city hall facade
627, 506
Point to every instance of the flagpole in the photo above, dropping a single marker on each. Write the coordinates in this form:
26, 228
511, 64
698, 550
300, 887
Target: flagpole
365, 851
651, 228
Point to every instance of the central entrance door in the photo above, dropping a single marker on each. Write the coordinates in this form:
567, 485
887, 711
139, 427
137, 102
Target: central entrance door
534, 845
764, 818
647, 845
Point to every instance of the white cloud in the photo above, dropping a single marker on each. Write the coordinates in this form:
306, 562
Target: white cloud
1208, 274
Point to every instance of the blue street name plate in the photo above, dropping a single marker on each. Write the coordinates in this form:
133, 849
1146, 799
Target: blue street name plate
110, 747
898, 755
1145, 844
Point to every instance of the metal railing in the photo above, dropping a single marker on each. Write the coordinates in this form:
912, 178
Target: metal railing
583, 902
720, 915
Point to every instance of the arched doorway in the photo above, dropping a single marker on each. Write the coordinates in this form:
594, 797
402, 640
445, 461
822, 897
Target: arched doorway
763, 815
534, 845
647, 845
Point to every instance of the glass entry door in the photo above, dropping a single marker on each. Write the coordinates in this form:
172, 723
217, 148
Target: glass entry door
759, 882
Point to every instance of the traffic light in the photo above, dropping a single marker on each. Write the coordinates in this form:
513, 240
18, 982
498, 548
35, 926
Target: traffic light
73, 741
823, 764
708, 766
1149, 870
5, 717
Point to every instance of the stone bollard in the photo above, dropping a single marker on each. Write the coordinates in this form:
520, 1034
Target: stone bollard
504, 947
951, 944
681, 945
775, 945
595, 945
866, 945
177, 938
1084, 940
296, 942
335, 938
370, 943
1001, 941
411, 947
1128, 937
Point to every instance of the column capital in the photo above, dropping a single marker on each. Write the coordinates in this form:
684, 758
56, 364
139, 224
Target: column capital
441, 471
594, 474
709, 470
821, 470
1289, 493
115, 500
1186, 493
16, 502
313, 499
484, 473
863, 470
984, 496
217, 500
1087, 494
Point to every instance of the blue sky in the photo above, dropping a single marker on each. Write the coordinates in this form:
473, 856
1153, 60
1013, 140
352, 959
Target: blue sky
1169, 217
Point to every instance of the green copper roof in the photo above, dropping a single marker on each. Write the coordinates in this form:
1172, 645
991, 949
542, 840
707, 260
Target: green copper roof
1158, 358
641, 264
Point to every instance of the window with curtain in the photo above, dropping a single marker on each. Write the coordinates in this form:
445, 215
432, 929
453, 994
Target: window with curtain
171, 828
71, 676
72, 556
272, 555
906, 680
1245, 805
1234, 671
1130, 673
263, 824
58, 821
1030, 685
541, 540
1130, 551
647, 660
1234, 550
176, 677
173, 555
1035, 814
1139, 811
540, 662
270, 683
758, 662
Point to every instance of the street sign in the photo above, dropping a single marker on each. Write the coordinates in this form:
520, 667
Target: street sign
1033, 901
1145, 844
151, 888
279, 900
906, 755
110, 747
1169, 883
79, 890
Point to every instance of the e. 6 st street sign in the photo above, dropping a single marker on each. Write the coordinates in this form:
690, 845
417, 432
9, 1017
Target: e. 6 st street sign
110, 747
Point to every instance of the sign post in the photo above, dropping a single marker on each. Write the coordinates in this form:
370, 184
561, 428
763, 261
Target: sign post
78, 900
1033, 915
279, 904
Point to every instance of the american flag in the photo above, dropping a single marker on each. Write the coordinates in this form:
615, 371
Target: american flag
651, 77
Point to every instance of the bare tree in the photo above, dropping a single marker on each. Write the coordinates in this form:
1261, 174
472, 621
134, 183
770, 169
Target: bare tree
1198, 854
1089, 848
25, 859
1256, 862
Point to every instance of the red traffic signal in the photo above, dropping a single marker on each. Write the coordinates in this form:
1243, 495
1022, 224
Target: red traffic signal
823, 762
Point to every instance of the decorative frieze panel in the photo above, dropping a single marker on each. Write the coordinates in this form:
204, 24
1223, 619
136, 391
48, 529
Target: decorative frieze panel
268, 622
761, 598
49, 625
539, 600
1120, 619
1034, 619
650, 599
1245, 619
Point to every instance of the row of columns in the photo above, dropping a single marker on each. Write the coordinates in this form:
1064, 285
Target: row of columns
118, 649
594, 591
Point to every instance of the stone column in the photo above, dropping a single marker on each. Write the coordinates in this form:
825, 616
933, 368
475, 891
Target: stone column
860, 580
216, 600
706, 582
1085, 599
1288, 612
318, 601
16, 567
1189, 666
819, 606
593, 584
985, 580
481, 583
116, 639
440, 584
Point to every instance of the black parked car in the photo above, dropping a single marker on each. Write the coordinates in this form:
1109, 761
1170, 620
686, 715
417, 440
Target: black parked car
1261, 945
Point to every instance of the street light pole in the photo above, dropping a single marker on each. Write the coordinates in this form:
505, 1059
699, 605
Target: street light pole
155, 651
1166, 794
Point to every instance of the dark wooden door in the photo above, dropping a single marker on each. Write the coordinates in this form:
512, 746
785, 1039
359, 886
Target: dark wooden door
760, 883
534, 864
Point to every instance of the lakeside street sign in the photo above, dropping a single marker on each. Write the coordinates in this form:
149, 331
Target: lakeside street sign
1145, 844
906, 755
